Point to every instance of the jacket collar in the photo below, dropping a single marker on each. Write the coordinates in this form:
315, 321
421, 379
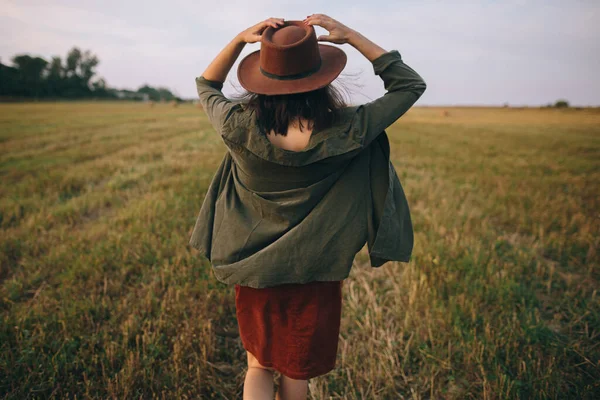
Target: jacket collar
334, 141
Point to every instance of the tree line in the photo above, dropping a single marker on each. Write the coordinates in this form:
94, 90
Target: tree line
71, 78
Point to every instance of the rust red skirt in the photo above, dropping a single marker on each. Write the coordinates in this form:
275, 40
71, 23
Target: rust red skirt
292, 328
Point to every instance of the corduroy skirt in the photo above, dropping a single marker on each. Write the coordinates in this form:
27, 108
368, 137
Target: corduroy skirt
292, 328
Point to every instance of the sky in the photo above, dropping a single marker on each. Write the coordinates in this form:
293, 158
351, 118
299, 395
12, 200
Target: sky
520, 52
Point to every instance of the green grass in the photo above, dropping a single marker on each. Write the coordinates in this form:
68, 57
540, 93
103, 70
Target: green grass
101, 297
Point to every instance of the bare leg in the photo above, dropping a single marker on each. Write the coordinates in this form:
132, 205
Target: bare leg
292, 389
258, 384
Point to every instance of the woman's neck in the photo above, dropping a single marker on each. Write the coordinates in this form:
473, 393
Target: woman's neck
306, 125
294, 140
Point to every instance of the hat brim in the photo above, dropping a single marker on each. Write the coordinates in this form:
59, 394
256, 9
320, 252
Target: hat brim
333, 61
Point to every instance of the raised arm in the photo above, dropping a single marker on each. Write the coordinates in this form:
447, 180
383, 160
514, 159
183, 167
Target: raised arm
403, 85
210, 84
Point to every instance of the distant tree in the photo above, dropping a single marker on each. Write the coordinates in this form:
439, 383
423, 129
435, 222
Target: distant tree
79, 71
99, 85
87, 64
165, 94
73, 58
101, 89
30, 75
561, 104
31, 67
71, 77
153, 94
55, 77
157, 94
9, 80
55, 70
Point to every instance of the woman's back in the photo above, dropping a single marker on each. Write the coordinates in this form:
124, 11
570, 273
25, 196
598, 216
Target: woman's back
295, 140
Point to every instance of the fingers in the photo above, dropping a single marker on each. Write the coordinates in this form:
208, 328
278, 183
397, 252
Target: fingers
274, 22
312, 20
318, 19
315, 22
318, 16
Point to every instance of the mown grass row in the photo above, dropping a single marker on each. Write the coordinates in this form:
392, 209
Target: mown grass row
101, 297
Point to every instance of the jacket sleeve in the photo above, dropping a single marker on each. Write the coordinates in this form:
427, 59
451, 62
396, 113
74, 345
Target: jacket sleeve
218, 108
404, 87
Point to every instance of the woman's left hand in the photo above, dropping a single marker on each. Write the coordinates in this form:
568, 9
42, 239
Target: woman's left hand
254, 33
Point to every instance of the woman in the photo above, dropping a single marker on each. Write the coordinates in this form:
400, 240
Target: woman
305, 183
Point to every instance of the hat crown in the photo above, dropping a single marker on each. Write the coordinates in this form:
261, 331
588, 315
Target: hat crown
288, 35
290, 51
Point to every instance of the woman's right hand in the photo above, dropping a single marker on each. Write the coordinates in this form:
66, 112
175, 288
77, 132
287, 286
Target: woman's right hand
338, 32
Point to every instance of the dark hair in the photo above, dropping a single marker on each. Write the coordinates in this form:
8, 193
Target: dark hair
275, 112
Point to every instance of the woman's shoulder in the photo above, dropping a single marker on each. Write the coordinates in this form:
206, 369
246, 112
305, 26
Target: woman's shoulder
346, 115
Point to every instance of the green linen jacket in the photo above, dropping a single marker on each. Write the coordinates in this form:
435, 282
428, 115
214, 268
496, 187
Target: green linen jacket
273, 216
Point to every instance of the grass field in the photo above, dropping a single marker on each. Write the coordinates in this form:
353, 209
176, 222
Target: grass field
101, 297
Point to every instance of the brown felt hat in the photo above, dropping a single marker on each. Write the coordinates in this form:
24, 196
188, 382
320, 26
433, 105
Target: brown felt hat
290, 60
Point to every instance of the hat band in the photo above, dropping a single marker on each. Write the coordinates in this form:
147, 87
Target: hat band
293, 76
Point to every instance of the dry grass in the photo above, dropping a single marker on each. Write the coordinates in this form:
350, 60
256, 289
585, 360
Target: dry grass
100, 296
